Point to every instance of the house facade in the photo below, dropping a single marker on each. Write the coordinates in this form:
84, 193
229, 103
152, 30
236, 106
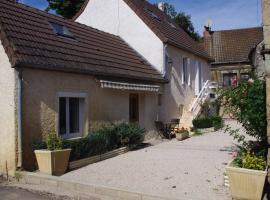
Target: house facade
64, 77
148, 30
235, 53
68, 78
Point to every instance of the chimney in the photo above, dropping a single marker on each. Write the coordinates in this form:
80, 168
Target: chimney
207, 29
161, 6
207, 32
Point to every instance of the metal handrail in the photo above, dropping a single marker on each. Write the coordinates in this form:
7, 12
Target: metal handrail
201, 96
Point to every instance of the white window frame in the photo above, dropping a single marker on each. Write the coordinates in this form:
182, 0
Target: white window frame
199, 77
186, 72
82, 101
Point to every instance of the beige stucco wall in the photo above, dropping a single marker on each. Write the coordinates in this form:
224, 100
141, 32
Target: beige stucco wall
40, 105
175, 93
7, 115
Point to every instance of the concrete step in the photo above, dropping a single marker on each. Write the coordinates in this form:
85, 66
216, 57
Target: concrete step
106, 193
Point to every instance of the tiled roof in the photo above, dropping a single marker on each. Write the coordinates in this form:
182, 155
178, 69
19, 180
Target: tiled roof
233, 46
165, 28
30, 41
162, 25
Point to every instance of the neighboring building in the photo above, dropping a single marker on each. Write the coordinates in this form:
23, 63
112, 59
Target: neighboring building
155, 36
61, 76
232, 53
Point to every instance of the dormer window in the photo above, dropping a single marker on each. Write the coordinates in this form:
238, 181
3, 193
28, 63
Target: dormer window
61, 30
152, 14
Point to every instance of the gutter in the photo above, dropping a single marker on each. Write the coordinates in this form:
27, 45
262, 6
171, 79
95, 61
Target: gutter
19, 118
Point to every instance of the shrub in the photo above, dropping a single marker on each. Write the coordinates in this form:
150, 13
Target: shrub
54, 142
208, 122
217, 122
202, 123
247, 104
250, 161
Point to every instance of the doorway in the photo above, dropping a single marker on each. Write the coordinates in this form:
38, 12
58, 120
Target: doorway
134, 108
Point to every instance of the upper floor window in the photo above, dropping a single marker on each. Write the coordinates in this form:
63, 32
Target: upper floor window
61, 30
185, 71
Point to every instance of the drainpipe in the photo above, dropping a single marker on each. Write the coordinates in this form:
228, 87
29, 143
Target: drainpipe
19, 118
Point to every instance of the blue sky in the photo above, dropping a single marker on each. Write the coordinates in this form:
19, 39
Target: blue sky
225, 14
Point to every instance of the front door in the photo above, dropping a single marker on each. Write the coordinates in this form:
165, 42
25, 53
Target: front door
133, 108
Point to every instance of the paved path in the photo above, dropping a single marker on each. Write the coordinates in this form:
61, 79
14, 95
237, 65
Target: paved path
192, 169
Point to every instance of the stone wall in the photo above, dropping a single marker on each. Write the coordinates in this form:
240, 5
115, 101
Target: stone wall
266, 28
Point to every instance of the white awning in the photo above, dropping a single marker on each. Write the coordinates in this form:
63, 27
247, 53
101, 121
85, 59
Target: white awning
129, 86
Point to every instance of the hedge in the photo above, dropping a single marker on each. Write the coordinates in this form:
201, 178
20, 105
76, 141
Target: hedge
208, 122
102, 140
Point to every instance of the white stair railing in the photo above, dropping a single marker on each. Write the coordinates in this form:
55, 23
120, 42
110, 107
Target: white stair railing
204, 95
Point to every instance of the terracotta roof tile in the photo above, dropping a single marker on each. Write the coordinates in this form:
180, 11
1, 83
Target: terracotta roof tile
165, 28
233, 46
30, 41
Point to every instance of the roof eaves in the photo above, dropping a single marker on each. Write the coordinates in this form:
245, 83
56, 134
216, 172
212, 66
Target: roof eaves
233, 62
208, 57
88, 72
8, 46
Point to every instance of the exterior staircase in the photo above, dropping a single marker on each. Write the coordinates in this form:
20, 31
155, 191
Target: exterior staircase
208, 92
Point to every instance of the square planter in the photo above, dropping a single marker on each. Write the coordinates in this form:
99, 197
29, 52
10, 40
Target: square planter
53, 162
246, 183
182, 136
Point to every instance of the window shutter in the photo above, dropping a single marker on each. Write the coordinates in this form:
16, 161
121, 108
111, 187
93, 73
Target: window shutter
189, 71
197, 78
182, 69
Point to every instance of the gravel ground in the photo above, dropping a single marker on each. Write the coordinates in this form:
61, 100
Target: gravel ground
191, 169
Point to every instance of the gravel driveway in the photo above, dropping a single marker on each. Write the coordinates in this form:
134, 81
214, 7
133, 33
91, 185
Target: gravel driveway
192, 169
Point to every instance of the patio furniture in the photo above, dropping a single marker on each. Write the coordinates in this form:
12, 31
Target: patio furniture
167, 130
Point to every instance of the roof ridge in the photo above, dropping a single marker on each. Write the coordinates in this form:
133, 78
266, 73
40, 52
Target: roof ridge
238, 29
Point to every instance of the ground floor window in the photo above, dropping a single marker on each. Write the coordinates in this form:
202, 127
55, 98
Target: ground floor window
71, 116
229, 79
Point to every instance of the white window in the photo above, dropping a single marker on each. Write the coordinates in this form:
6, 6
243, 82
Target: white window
71, 115
199, 78
185, 71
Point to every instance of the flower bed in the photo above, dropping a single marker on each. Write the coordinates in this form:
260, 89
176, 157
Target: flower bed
103, 140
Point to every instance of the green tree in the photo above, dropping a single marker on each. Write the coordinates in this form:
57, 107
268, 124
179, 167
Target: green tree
66, 8
183, 20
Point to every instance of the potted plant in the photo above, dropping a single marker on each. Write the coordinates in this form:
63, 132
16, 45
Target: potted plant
53, 160
247, 174
182, 134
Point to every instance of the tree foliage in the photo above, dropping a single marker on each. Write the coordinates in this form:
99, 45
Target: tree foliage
247, 104
66, 8
183, 20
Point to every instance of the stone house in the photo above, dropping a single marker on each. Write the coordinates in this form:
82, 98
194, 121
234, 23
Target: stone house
235, 53
62, 76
